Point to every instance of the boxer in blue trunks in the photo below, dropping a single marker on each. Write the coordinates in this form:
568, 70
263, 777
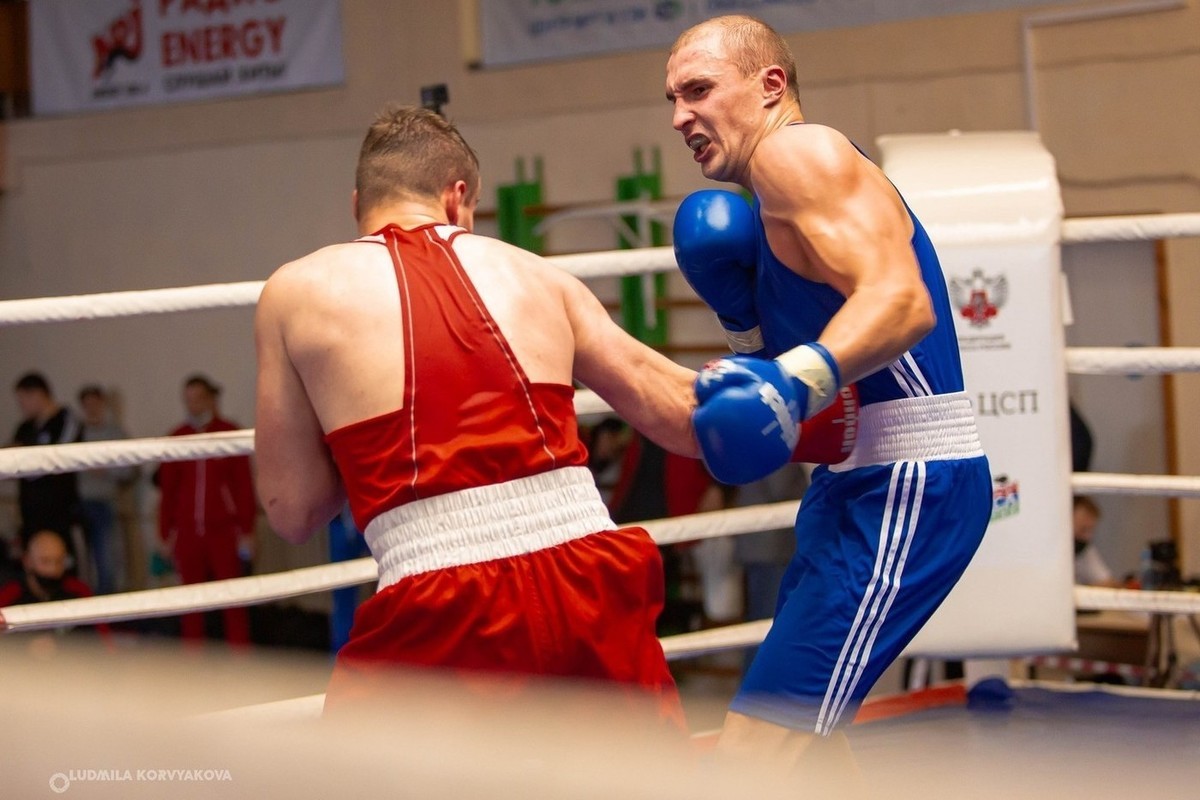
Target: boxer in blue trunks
826, 280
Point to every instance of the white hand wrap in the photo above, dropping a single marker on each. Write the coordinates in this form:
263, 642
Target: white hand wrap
745, 342
813, 368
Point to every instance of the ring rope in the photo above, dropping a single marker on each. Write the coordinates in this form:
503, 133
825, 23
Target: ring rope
1132, 360
172, 600
109, 305
1124, 484
675, 647
1097, 598
44, 459
603, 264
714, 640
255, 589
1137, 228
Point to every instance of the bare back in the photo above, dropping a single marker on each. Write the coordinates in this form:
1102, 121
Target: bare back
346, 337
331, 342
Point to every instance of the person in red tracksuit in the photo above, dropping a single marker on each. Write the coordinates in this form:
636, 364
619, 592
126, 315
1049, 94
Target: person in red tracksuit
207, 510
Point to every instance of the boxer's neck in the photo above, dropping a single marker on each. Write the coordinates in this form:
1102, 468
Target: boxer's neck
405, 213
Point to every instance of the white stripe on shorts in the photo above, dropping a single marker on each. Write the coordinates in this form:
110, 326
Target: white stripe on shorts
895, 539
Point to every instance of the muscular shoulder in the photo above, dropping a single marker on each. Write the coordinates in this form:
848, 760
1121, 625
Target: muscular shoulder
489, 260
803, 161
328, 279
325, 266
501, 256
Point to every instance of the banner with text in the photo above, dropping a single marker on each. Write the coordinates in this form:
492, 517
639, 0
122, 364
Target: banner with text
88, 55
516, 31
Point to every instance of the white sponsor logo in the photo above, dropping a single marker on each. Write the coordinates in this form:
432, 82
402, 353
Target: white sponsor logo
849, 419
789, 431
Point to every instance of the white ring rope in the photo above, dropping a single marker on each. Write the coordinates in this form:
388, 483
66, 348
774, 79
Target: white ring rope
1132, 360
29, 462
675, 648
26, 462
281, 585
603, 264
21, 462
172, 600
1147, 227
129, 304
256, 589
714, 640
1095, 598
111, 305
1120, 483
45, 459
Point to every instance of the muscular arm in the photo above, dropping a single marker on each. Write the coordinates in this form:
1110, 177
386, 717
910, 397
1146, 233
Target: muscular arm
831, 216
297, 480
647, 389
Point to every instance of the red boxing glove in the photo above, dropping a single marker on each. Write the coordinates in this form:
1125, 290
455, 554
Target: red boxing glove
829, 436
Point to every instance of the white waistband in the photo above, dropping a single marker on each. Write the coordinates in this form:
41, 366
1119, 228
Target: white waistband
486, 523
936, 428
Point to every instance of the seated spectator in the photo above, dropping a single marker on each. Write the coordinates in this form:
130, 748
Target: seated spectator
45, 579
45, 575
1090, 568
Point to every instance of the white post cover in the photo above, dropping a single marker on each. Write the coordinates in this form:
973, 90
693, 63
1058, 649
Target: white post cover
991, 205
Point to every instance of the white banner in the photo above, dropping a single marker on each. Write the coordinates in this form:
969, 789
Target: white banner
516, 31
88, 55
992, 206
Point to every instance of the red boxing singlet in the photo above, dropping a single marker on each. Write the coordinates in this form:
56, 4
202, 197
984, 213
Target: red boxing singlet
495, 550
470, 416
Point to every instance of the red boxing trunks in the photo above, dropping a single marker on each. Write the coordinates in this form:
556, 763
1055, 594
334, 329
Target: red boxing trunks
557, 601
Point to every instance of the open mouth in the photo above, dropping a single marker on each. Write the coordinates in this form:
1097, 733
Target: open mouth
698, 142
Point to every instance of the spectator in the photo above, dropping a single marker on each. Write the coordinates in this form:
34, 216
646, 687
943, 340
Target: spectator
207, 510
654, 484
606, 443
1090, 568
1081, 441
45, 575
46, 501
98, 492
764, 556
44, 579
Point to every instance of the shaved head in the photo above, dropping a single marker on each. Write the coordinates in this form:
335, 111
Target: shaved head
750, 44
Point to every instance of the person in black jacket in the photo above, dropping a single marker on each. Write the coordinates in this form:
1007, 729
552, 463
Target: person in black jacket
46, 501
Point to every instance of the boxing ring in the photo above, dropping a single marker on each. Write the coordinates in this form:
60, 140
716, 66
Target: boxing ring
879, 726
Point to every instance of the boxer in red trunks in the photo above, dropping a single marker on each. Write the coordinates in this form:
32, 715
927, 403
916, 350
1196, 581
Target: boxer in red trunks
425, 374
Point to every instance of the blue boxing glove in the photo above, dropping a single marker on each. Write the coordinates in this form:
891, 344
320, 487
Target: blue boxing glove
749, 410
716, 247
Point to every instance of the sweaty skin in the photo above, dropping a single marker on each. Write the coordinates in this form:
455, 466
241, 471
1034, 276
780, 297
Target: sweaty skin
831, 215
329, 334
